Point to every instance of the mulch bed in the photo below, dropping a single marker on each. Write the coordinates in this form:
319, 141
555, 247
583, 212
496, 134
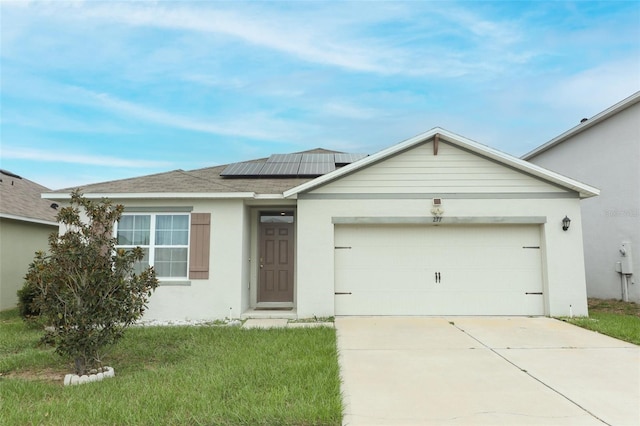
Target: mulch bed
612, 306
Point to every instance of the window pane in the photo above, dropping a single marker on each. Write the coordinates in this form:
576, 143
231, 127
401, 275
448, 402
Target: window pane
141, 238
125, 222
163, 238
171, 262
142, 221
283, 217
125, 237
181, 222
143, 264
163, 221
172, 230
134, 230
180, 238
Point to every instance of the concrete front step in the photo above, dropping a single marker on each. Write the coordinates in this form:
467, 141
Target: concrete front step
281, 323
269, 314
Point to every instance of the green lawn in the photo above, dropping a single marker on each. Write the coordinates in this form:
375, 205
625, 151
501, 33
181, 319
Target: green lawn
207, 375
613, 318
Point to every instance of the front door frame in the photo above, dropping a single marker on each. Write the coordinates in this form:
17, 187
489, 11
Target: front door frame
256, 212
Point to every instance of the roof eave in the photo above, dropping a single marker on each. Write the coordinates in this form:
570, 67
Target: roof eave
28, 219
61, 196
596, 119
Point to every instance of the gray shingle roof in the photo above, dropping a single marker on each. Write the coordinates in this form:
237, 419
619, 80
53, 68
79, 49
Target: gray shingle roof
199, 180
20, 197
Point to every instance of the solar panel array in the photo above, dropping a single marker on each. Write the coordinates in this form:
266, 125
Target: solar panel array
292, 165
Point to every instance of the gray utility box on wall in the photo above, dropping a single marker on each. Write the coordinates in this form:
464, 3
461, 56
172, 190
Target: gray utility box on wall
625, 266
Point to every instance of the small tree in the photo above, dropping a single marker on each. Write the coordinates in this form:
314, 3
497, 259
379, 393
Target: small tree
88, 291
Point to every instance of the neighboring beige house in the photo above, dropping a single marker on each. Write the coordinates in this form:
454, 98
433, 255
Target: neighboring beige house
26, 221
604, 150
435, 225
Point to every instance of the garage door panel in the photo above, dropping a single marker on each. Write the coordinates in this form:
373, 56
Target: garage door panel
482, 270
364, 280
437, 303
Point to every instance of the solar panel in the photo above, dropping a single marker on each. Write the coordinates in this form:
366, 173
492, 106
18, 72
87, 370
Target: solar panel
303, 164
317, 158
279, 169
284, 158
348, 158
315, 169
242, 169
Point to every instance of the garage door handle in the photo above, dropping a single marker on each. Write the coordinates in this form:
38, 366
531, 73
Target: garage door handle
338, 293
437, 277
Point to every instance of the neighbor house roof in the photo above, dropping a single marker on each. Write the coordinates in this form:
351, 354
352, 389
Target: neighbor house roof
531, 169
20, 200
585, 124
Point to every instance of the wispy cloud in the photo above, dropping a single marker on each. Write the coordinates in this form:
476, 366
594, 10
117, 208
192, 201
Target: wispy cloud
592, 90
281, 34
255, 126
342, 36
39, 155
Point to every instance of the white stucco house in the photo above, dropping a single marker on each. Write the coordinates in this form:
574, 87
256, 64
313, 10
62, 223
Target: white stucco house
435, 225
604, 150
26, 221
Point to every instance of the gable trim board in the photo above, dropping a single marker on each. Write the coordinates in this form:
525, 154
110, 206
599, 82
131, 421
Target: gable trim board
448, 220
460, 142
452, 196
487, 197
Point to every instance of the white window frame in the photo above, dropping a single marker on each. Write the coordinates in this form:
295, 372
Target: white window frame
151, 247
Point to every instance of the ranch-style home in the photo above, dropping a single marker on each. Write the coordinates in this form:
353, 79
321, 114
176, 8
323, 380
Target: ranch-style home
435, 225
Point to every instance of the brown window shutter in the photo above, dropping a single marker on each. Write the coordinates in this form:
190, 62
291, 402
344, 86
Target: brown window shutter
199, 249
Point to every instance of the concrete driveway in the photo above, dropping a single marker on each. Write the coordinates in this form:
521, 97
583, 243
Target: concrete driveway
487, 370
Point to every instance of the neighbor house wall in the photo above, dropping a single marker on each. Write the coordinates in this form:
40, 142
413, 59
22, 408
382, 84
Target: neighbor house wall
606, 156
19, 241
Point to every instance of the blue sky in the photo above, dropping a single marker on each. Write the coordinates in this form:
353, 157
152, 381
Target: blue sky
95, 90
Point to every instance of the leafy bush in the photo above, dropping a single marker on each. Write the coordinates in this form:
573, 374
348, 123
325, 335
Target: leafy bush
26, 296
86, 289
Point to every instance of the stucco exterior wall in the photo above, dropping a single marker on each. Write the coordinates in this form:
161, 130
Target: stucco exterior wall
18, 243
223, 293
606, 156
562, 257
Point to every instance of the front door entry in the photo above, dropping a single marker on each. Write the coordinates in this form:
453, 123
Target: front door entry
275, 282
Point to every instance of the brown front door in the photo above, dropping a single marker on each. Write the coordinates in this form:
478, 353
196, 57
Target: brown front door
276, 258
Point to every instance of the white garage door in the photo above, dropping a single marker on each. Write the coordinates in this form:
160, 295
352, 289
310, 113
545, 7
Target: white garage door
438, 270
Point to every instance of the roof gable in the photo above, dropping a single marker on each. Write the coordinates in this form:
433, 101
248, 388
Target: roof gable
460, 142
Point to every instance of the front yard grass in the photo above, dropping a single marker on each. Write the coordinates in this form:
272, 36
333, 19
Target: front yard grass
206, 375
613, 318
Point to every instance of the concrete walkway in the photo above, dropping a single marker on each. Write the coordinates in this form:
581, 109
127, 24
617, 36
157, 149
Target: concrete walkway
485, 371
